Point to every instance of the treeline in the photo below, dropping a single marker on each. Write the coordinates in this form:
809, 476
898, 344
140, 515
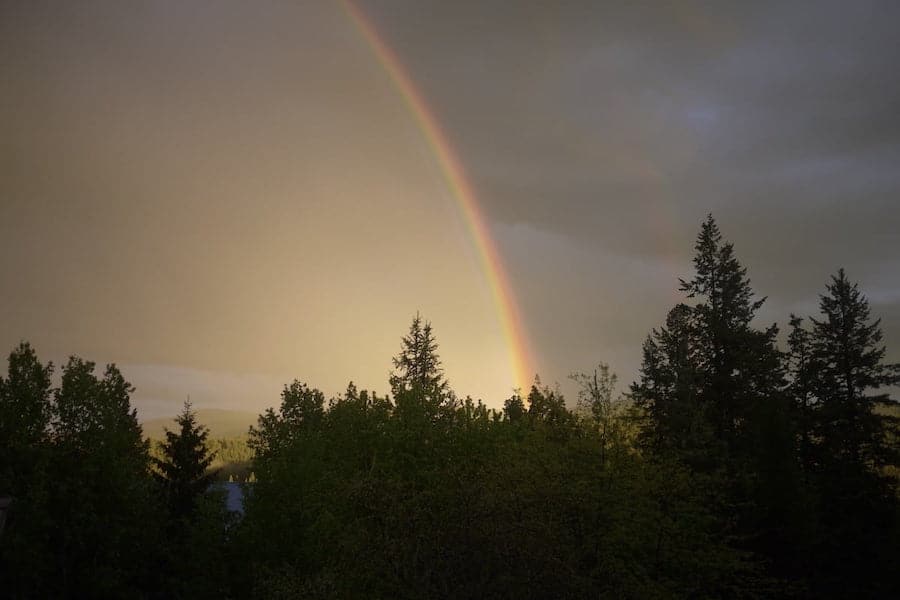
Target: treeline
232, 458
92, 515
731, 469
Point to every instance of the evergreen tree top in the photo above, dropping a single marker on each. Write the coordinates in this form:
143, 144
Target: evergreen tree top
720, 283
418, 366
183, 467
847, 342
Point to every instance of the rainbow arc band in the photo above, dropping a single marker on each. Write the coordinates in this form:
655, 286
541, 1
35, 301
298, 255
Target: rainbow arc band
507, 309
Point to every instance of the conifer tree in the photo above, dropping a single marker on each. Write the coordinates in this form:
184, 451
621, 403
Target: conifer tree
847, 355
712, 388
802, 375
183, 467
709, 368
669, 390
419, 375
741, 367
856, 550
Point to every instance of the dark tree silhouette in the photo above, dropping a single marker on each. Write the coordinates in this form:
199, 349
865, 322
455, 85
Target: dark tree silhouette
847, 356
737, 471
25, 399
546, 405
26, 477
514, 408
302, 409
740, 366
802, 376
669, 391
183, 468
711, 387
710, 381
102, 499
418, 381
838, 372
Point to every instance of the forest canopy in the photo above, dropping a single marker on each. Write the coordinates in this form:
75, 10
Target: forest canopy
732, 467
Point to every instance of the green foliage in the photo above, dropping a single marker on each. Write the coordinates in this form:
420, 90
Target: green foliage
392, 500
595, 396
232, 459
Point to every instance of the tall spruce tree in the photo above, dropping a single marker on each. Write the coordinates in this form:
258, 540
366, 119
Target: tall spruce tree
711, 387
709, 372
193, 565
419, 376
847, 354
850, 442
183, 468
741, 366
669, 392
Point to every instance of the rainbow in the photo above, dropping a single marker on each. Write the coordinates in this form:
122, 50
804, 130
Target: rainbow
510, 318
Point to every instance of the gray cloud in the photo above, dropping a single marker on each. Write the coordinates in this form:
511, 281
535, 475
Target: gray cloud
574, 101
619, 126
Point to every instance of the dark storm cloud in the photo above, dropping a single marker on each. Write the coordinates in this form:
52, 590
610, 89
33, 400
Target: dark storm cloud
618, 126
591, 107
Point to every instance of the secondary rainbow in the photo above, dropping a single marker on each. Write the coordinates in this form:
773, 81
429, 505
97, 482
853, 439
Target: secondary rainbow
497, 279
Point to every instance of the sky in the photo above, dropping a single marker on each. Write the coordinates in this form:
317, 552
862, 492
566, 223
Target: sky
223, 196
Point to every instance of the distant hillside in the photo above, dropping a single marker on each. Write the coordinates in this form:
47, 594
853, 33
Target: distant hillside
222, 423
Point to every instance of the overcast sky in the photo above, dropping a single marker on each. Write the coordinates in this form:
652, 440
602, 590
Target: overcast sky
222, 196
